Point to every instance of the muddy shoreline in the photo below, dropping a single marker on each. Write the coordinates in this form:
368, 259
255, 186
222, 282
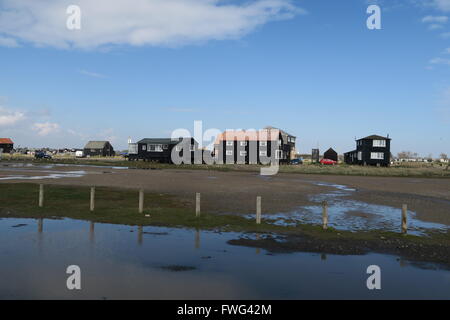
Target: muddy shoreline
419, 254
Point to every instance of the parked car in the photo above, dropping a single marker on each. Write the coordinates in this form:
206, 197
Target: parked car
328, 162
42, 155
297, 161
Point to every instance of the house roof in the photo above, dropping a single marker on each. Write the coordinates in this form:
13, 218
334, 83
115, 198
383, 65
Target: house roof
6, 141
161, 140
96, 144
330, 150
249, 135
284, 133
375, 137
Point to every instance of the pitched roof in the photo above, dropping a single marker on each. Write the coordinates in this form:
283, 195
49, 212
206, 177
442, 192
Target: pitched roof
161, 140
96, 144
284, 133
330, 150
375, 137
249, 135
6, 141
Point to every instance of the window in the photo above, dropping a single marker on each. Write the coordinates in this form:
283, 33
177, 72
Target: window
191, 147
377, 155
165, 147
278, 154
263, 153
242, 153
144, 147
178, 148
229, 152
230, 143
243, 143
359, 155
263, 143
379, 143
155, 147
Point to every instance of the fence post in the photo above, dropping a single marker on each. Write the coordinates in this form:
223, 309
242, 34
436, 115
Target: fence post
41, 195
258, 210
141, 200
325, 215
92, 199
404, 218
197, 204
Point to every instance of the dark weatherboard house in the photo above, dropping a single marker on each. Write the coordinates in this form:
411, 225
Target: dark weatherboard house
372, 150
331, 154
98, 148
254, 147
6, 145
160, 149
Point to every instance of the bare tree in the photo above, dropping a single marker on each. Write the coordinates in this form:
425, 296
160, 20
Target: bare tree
443, 156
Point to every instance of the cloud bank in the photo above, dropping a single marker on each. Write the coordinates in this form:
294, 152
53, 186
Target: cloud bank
107, 23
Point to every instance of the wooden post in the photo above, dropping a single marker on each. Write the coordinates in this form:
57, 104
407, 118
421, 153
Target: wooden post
325, 215
258, 210
197, 204
404, 218
92, 199
141, 201
41, 195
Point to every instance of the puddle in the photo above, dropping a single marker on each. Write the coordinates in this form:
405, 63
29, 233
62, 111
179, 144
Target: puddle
189, 264
351, 215
50, 175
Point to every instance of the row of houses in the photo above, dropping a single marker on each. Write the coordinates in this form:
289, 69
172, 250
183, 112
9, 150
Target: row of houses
238, 146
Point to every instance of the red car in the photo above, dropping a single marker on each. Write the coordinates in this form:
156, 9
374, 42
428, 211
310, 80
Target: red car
328, 162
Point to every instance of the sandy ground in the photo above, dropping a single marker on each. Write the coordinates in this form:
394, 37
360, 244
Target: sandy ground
235, 192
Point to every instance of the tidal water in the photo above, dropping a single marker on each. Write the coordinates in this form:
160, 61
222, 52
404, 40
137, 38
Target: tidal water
123, 262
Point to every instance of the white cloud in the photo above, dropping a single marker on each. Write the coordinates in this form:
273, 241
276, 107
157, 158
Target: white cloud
447, 51
45, 128
435, 19
10, 117
445, 35
142, 22
92, 74
440, 61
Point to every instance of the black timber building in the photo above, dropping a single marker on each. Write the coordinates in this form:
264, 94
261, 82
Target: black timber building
160, 149
331, 154
98, 148
254, 147
373, 150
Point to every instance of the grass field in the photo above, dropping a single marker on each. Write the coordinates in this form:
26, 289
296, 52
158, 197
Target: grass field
424, 170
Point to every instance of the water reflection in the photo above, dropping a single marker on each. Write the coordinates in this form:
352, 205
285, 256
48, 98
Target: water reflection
169, 266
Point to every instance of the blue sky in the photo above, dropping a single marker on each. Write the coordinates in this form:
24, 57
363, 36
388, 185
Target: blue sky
309, 67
